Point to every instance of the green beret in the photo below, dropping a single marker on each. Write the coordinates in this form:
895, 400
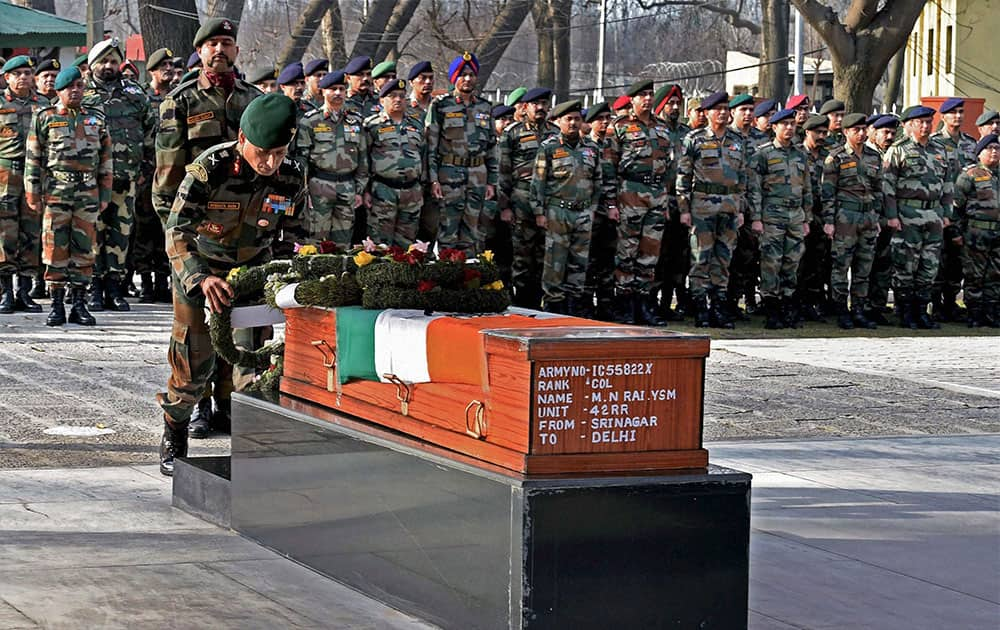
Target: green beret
515, 97
596, 110
21, 61
639, 86
258, 75
66, 77
816, 122
987, 117
158, 58
741, 99
214, 27
383, 68
269, 121
832, 106
79, 61
568, 107
854, 120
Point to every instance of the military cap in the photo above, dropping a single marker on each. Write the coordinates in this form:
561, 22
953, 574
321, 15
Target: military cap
871, 119
49, 65
314, 66
783, 114
190, 75
358, 65
502, 111
82, 59
886, 121
714, 100
20, 61
764, 108
987, 117
392, 86
596, 110
384, 67
268, 122
333, 78
985, 141
291, 73
832, 106
566, 107
261, 74
950, 104
818, 121
694, 103
515, 96
2, 61
796, 101
536, 94
740, 99
854, 120
194, 61
419, 68
622, 102
214, 27
178, 62
639, 86
104, 48
159, 57
67, 76
916, 111
663, 94
459, 63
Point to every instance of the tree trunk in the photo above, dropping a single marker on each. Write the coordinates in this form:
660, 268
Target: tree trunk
561, 13
541, 14
232, 9
893, 90
401, 16
772, 81
333, 37
163, 30
854, 83
303, 32
493, 44
379, 14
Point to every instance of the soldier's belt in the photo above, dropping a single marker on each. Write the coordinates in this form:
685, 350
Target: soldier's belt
649, 179
919, 204
523, 184
454, 160
12, 164
72, 177
399, 184
334, 177
569, 205
776, 202
980, 224
855, 206
713, 189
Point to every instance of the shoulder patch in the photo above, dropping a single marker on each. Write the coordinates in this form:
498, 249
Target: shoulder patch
198, 171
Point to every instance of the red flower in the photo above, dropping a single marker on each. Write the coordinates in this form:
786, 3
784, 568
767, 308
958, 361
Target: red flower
413, 258
470, 278
452, 255
327, 247
426, 285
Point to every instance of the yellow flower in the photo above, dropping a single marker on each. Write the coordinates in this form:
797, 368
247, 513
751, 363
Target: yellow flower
235, 271
487, 255
308, 250
363, 258
494, 286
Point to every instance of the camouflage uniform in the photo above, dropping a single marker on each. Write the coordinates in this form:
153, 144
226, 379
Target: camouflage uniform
675, 248
518, 148
20, 227
948, 283
362, 105
745, 267
711, 183
68, 168
461, 156
225, 216
880, 278
147, 254
566, 188
131, 123
395, 162
604, 237
977, 198
332, 149
852, 203
918, 181
814, 268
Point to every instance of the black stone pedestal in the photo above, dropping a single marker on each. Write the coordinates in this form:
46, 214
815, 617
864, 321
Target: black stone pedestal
465, 548
201, 488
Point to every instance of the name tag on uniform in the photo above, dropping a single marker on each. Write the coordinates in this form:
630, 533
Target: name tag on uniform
984, 178
710, 145
774, 161
59, 123
323, 127
454, 115
560, 153
197, 118
10, 110
386, 129
223, 205
528, 138
633, 128
847, 165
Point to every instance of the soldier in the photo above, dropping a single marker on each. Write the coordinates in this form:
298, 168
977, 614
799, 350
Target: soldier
675, 249
814, 268
503, 116
834, 111
20, 224
68, 174
495, 232
565, 191
314, 71
696, 116
178, 64
948, 283
643, 152
461, 156
761, 131
292, 83
395, 162
45, 80
206, 239
265, 79
515, 100
383, 73
988, 122
81, 64
711, 183
194, 61
622, 105
883, 133
852, 204
332, 148
802, 106
744, 270
360, 99
518, 148
977, 193
421, 79
781, 200
131, 123
604, 231
918, 183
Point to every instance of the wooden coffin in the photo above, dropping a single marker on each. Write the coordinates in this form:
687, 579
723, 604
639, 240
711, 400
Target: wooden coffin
588, 399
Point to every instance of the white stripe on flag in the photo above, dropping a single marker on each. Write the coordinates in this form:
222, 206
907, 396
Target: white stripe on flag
401, 345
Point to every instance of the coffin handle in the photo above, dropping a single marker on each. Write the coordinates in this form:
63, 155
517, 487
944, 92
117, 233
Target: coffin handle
475, 420
402, 393
330, 363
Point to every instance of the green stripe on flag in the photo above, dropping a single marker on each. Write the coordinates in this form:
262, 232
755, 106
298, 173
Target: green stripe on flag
356, 343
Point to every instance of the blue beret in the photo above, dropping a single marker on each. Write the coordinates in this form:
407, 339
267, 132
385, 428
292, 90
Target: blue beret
741, 99
871, 119
536, 94
315, 66
291, 73
784, 114
390, 86
986, 141
502, 110
950, 104
458, 64
21, 61
765, 108
886, 121
418, 68
67, 76
916, 111
193, 60
358, 65
334, 77
713, 100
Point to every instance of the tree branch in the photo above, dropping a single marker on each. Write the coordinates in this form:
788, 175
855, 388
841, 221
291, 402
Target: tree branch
733, 16
860, 14
824, 20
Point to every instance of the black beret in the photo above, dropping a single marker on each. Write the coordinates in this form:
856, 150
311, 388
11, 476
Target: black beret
886, 121
315, 66
158, 58
831, 106
269, 121
987, 140
49, 65
392, 86
854, 120
987, 117
952, 103
639, 86
333, 78
501, 111
816, 122
358, 65
536, 94
784, 114
567, 107
596, 110
713, 100
291, 73
262, 74
764, 108
178, 62
418, 68
213, 27
741, 99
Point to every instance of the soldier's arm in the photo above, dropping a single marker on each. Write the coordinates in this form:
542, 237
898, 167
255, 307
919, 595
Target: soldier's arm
363, 173
948, 189
303, 147
685, 175
105, 167
171, 154
33, 161
609, 180
831, 178
890, 177
597, 189
807, 191
758, 168
505, 170
963, 188
538, 179
432, 129
878, 197
491, 155
186, 213
149, 125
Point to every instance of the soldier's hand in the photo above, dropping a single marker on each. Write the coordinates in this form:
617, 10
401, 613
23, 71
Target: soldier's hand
829, 230
491, 191
894, 224
358, 200
104, 205
614, 214
757, 226
507, 215
945, 222
541, 221
217, 293
739, 220
368, 199
436, 191
805, 229
686, 219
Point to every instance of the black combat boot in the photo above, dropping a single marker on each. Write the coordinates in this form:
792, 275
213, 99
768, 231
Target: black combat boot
948, 310
702, 317
148, 293
733, 311
973, 315
38, 291
920, 316
127, 285
6, 294
684, 306
605, 311
222, 416
844, 316
790, 311
23, 301
161, 290
875, 316
810, 313
719, 313
79, 314
645, 311
173, 444
624, 309
750, 301
860, 319
113, 299
200, 425
772, 311
96, 299
991, 314
57, 313
905, 311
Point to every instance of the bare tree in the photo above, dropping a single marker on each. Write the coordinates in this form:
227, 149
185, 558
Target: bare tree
168, 23
232, 9
492, 42
389, 47
371, 35
302, 33
332, 29
772, 81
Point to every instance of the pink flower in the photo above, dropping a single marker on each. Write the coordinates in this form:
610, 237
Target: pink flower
369, 245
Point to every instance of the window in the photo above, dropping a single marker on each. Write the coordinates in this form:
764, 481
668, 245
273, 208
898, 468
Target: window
929, 49
947, 50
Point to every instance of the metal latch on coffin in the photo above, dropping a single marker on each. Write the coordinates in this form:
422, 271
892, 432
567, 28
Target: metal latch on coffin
402, 393
476, 424
330, 363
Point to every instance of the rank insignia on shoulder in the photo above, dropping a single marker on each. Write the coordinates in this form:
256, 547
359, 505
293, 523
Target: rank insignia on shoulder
198, 171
